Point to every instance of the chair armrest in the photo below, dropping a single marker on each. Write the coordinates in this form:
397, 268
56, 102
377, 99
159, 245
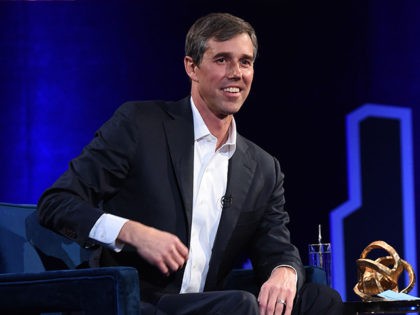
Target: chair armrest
315, 275
105, 291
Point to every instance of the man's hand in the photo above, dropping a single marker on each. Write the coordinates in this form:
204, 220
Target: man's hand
161, 249
278, 292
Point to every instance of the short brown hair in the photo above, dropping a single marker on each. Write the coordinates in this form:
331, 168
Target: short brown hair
221, 27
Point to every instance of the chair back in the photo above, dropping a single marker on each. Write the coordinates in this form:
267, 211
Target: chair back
16, 252
55, 251
27, 249
27, 246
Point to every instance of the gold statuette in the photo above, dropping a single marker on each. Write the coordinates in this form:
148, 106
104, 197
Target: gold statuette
381, 274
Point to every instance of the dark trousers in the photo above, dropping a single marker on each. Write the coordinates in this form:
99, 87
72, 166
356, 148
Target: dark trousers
313, 299
317, 299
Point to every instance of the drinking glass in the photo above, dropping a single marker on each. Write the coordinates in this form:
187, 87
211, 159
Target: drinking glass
320, 256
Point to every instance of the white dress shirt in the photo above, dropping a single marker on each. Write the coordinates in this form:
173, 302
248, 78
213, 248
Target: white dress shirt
210, 181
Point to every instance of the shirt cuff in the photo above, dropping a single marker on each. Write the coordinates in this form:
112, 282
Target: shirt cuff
106, 230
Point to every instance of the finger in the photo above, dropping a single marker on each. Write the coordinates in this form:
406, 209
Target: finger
179, 257
172, 265
286, 305
175, 260
268, 304
262, 301
182, 250
280, 307
289, 307
266, 301
162, 267
272, 306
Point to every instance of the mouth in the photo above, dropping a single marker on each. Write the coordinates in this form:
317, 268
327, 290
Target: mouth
232, 90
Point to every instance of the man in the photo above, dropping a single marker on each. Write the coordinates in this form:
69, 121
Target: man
172, 189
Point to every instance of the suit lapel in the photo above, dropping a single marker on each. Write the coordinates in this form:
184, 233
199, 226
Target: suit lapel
240, 175
180, 137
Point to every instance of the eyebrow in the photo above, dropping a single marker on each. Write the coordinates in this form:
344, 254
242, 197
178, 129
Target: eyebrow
226, 54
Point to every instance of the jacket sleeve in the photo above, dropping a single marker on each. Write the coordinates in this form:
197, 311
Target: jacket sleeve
72, 205
272, 244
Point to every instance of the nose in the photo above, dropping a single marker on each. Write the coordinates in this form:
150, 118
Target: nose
234, 71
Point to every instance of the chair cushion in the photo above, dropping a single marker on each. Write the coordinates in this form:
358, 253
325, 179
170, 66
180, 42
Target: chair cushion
110, 290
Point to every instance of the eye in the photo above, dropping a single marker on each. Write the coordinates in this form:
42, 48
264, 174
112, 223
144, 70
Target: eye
246, 62
221, 60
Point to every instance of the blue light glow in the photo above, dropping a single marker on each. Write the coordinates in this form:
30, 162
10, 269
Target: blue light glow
338, 214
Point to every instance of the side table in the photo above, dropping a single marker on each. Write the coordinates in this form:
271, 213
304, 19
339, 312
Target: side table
382, 307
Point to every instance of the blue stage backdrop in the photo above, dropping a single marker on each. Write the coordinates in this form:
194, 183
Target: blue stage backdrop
65, 66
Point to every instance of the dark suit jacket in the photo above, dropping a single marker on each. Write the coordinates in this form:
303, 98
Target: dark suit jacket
140, 166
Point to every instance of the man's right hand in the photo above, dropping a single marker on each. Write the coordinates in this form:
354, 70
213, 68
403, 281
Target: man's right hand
161, 249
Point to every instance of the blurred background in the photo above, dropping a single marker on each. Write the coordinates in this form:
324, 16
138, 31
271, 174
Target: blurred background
65, 67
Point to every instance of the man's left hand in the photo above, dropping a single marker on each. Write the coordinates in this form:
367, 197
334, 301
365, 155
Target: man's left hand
278, 292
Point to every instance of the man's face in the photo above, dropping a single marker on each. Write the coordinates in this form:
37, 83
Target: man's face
224, 77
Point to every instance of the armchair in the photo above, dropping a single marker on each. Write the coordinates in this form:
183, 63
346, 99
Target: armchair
28, 252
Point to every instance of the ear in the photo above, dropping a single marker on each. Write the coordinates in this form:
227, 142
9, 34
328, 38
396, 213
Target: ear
190, 68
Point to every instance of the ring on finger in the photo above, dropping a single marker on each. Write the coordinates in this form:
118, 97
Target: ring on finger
281, 301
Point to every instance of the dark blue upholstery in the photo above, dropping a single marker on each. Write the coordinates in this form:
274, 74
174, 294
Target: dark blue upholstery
27, 251
55, 251
315, 275
16, 253
105, 291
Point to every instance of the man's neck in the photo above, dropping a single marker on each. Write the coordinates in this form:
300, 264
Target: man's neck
218, 126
